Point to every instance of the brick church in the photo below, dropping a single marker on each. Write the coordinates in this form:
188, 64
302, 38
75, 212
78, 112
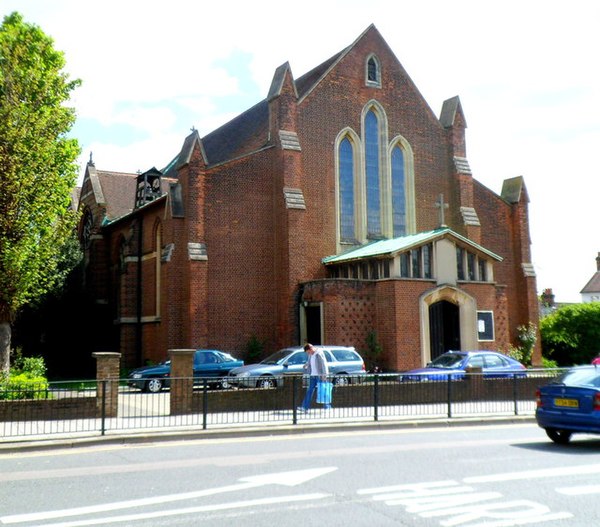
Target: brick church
340, 209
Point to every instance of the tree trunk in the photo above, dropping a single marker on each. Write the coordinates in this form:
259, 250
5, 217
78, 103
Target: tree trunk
5, 332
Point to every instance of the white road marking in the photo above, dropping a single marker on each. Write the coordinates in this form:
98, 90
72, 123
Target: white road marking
463, 505
533, 474
189, 510
581, 490
289, 479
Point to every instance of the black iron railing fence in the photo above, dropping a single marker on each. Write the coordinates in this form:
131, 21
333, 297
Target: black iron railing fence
110, 406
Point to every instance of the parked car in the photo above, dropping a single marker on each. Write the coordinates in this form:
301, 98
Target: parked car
454, 365
211, 364
570, 404
345, 364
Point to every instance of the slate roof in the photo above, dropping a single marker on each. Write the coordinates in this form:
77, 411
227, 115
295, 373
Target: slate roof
593, 286
392, 246
249, 131
118, 189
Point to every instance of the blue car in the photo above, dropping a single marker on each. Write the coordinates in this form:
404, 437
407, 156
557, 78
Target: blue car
211, 364
570, 404
453, 365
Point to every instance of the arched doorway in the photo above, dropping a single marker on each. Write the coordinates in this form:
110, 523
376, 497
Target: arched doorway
444, 328
448, 321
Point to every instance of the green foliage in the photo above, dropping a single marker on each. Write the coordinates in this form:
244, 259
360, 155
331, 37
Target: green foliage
548, 363
254, 350
34, 366
38, 166
373, 353
24, 386
571, 335
26, 379
527, 335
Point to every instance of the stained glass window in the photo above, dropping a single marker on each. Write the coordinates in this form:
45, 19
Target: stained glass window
398, 193
346, 189
372, 175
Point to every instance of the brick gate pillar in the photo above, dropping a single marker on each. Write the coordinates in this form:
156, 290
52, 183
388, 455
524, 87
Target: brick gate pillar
107, 377
182, 380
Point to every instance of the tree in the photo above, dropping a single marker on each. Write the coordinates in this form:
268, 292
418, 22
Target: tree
38, 169
571, 334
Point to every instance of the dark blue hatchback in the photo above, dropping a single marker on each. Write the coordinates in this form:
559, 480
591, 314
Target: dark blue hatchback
213, 365
570, 404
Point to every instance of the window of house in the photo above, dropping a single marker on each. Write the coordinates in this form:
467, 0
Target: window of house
405, 265
398, 192
375, 181
373, 72
482, 270
372, 174
415, 258
346, 191
386, 268
471, 266
460, 263
427, 264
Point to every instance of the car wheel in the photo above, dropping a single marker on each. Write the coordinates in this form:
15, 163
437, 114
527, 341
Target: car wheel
341, 380
266, 381
154, 385
224, 384
562, 437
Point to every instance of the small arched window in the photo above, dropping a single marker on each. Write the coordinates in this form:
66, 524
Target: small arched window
346, 191
373, 71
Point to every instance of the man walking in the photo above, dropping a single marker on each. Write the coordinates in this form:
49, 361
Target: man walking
317, 369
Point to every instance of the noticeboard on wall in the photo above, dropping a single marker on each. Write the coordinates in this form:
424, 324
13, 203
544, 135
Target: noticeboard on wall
485, 326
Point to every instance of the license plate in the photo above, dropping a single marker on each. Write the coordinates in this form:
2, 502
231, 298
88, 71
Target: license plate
568, 403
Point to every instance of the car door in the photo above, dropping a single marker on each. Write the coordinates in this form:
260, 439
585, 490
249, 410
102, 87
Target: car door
495, 367
206, 364
295, 362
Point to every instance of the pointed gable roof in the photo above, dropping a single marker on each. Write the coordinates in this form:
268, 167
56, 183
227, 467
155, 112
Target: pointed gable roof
451, 109
513, 190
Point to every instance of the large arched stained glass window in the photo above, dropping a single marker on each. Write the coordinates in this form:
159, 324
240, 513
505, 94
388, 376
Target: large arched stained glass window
346, 191
398, 192
372, 161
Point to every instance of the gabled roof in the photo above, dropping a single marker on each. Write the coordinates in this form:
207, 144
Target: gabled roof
593, 286
393, 246
117, 191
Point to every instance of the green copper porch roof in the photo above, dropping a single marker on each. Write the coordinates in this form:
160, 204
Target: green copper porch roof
395, 245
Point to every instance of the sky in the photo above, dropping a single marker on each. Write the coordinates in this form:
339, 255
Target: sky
526, 71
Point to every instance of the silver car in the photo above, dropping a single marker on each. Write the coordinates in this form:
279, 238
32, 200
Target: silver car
345, 366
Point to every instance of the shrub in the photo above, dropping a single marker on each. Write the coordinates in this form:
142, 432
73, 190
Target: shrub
26, 380
24, 386
254, 350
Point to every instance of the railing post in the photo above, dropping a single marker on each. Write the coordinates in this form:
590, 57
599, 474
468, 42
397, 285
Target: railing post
515, 394
449, 396
295, 399
204, 404
376, 397
103, 407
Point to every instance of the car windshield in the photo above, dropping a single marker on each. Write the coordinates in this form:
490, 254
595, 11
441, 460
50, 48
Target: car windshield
276, 358
583, 377
447, 360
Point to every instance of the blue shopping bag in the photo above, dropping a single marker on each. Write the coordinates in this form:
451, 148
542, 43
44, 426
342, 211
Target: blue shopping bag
324, 389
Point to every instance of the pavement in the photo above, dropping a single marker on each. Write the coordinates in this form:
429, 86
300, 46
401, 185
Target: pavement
20, 444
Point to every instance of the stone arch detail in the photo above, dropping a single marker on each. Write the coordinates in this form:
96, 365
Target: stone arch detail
467, 307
